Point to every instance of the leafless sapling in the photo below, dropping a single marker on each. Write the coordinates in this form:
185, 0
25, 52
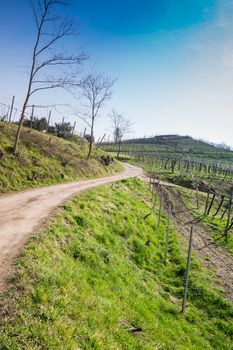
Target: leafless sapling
96, 90
121, 127
50, 29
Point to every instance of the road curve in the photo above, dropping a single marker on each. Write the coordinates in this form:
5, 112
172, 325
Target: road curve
22, 213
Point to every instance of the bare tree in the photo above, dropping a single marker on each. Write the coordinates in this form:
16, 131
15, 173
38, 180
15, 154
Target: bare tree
121, 127
96, 91
50, 29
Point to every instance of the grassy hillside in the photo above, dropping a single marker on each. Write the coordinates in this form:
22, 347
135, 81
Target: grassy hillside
95, 279
175, 145
183, 143
216, 223
46, 159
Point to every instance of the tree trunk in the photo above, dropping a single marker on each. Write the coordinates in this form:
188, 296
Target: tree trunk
211, 204
90, 149
228, 217
207, 202
16, 143
119, 149
91, 140
219, 207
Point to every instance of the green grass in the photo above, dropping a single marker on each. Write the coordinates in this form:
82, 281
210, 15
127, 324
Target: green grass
45, 159
176, 145
153, 154
215, 224
153, 167
97, 270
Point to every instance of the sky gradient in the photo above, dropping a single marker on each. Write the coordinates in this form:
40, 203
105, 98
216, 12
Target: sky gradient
173, 61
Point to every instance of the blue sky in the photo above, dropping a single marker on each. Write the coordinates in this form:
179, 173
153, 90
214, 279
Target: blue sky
136, 17
173, 61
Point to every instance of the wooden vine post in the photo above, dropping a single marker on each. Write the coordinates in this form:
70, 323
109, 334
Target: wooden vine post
160, 210
167, 235
11, 109
229, 208
187, 273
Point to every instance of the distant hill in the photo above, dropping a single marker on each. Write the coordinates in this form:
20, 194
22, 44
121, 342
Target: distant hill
46, 159
176, 145
184, 143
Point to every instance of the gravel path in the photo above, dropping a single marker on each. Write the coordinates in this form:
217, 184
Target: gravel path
23, 213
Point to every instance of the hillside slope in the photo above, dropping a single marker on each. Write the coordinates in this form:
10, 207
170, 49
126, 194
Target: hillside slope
46, 159
185, 143
175, 145
96, 279
23, 212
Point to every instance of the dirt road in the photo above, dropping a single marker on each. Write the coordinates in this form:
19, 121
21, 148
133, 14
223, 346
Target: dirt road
23, 213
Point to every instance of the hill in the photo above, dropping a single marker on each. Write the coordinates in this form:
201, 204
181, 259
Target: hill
45, 159
95, 278
192, 164
175, 145
184, 143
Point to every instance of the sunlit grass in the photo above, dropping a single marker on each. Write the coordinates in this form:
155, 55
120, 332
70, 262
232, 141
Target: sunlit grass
215, 223
45, 159
97, 272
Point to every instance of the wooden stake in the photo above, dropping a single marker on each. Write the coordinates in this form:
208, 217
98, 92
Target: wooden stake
167, 235
187, 272
228, 217
73, 128
154, 199
160, 210
207, 202
32, 115
11, 110
100, 141
197, 198
84, 132
49, 118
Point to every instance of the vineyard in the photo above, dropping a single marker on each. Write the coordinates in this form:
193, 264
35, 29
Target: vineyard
109, 272
203, 172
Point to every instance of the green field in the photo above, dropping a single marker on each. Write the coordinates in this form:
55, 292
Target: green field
175, 146
187, 189
95, 278
181, 160
45, 159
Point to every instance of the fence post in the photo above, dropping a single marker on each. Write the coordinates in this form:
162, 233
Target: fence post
228, 216
100, 141
197, 198
160, 209
73, 128
11, 110
49, 118
32, 115
167, 235
153, 199
207, 202
187, 272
